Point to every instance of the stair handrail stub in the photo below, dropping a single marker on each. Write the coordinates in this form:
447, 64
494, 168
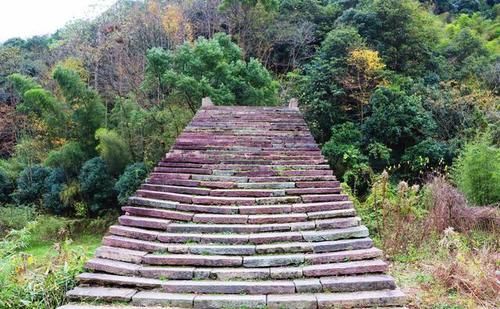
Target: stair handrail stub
206, 102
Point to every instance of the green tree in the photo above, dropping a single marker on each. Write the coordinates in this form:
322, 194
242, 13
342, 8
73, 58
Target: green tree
31, 185
403, 32
130, 180
69, 157
6, 187
88, 112
326, 101
397, 120
477, 171
96, 186
113, 150
213, 68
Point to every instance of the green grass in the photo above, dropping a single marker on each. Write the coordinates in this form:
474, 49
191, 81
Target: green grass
41, 250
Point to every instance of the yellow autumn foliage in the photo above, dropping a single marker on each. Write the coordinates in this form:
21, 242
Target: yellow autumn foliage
365, 60
175, 24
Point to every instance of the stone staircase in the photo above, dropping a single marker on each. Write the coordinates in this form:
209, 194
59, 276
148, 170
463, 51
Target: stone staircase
243, 212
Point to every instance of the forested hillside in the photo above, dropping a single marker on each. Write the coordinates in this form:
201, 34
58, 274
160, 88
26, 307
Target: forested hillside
402, 96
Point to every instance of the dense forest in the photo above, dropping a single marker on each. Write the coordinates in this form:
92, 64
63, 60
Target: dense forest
402, 96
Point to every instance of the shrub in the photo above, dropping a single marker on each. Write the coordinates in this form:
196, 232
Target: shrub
69, 157
476, 171
344, 155
96, 185
6, 188
15, 217
130, 180
31, 185
23, 288
54, 184
448, 208
394, 214
113, 149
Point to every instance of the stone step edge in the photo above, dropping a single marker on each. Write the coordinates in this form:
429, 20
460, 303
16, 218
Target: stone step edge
258, 218
246, 210
338, 229
335, 284
307, 300
284, 267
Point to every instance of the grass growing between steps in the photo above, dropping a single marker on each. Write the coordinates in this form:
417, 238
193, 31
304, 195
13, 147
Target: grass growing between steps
39, 262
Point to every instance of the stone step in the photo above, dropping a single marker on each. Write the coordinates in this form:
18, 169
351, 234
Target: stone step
193, 260
324, 198
252, 228
361, 299
291, 178
171, 268
301, 191
229, 287
122, 281
357, 283
247, 193
145, 222
255, 238
252, 209
228, 284
158, 213
317, 184
176, 189
101, 293
345, 268
119, 254
112, 267
311, 240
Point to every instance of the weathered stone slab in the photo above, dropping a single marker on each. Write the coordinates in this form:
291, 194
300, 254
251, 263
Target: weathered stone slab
133, 232
192, 260
347, 268
265, 238
343, 256
286, 247
222, 249
141, 201
265, 209
322, 235
357, 283
276, 218
105, 279
101, 293
240, 273
321, 206
148, 299
134, 244
159, 213
153, 223
292, 301
229, 287
170, 273
286, 272
112, 267
229, 301
308, 285
119, 254
337, 223
273, 260
216, 218
344, 244
361, 299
